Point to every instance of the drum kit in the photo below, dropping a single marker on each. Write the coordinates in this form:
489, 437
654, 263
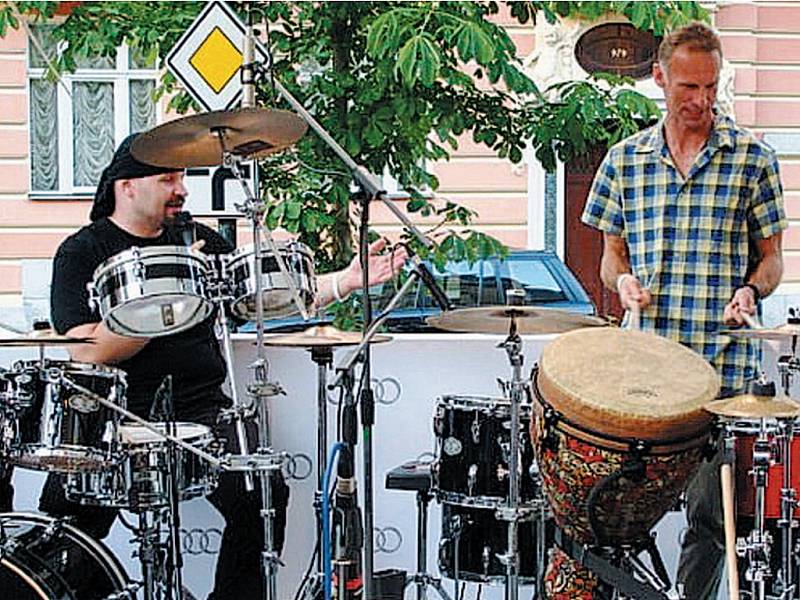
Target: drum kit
71, 418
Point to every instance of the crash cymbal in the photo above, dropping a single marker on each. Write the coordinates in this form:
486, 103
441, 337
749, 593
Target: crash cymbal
497, 319
44, 338
780, 333
322, 335
193, 142
752, 406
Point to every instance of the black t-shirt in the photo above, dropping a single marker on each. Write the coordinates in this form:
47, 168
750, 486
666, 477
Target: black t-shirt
192, 357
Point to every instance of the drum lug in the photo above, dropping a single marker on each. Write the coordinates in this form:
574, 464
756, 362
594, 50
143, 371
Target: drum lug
472, 476
475, 430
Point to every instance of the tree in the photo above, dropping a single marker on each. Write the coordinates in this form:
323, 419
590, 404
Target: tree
396, 83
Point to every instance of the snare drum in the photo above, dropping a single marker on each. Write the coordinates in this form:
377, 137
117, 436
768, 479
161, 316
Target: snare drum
276, 293
47, 559
473, 445
618, 433
57, 427
139, 481
153, 291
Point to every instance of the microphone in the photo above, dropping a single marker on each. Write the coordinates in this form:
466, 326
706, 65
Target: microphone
184, 225
248, 76
427, 278
348, 529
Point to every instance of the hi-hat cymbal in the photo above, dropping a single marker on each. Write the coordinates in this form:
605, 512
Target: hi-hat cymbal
322, 335
780, 333
44, 338
752, 406
497, 319
194, 141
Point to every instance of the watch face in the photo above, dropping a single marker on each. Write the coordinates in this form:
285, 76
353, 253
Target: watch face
451, 446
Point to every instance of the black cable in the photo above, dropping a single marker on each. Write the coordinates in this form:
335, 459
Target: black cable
307, 575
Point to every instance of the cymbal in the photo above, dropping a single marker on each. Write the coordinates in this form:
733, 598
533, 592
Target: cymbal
780, 333
320, 336
193, 142
44, 338
497, 319
752, 406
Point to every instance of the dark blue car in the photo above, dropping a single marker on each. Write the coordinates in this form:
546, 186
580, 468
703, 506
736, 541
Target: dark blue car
545, 279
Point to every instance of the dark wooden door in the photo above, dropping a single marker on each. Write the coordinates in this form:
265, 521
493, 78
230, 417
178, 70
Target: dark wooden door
583, 244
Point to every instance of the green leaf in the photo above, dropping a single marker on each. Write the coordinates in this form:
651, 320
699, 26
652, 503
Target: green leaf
293, 210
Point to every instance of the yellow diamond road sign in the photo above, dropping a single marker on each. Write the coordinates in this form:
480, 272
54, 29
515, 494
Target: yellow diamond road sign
216, 60
208, 57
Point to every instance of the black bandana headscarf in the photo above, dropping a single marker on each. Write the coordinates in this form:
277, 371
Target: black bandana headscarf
123, 166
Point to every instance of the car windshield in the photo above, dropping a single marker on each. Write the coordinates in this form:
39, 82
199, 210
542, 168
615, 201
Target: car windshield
475, 284
534, 278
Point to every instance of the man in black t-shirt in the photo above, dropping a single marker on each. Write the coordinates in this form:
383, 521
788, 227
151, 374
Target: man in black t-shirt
135, 205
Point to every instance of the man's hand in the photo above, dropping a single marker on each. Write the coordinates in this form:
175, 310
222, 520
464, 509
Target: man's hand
382, 267
743, 302
631, 293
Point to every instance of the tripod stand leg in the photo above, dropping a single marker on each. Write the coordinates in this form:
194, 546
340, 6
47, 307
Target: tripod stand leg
726, 480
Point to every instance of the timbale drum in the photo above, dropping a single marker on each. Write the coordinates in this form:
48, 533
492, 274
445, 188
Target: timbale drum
619, 431
153, 291
276, 292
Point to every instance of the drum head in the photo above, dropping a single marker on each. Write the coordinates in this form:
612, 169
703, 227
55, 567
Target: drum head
136, 435
627, 384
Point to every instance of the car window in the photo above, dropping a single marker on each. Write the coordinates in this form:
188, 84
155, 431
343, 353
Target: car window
466, 285
534, 277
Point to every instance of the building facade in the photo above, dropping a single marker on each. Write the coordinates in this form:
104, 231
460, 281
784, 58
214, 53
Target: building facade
47, 168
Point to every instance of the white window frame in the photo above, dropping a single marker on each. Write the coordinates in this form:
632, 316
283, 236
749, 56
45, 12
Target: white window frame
121, 76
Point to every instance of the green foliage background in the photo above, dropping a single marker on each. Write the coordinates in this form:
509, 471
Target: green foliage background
396, 83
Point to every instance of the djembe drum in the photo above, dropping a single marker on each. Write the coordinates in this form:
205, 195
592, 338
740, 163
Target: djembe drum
618, 432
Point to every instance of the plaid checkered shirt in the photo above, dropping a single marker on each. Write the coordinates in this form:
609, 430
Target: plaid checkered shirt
689, 239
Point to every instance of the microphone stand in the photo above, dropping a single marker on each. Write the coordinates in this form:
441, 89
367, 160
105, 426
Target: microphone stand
371, 189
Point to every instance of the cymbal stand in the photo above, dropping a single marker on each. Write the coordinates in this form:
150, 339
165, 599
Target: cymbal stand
323, 358
756, 547
262, 389
511, 511
787, 523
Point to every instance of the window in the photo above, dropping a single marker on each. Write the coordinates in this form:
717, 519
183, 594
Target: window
75, 125
535, 278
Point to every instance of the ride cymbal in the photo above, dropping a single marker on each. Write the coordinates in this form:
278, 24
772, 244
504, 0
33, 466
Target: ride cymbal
497, 319
755, 407
780, 333
322, 335
44, 338
194, 141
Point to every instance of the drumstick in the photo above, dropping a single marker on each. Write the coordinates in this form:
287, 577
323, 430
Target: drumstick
726, 481
634, 317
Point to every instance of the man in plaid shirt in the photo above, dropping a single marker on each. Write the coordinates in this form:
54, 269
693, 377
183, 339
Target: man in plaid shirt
691, 212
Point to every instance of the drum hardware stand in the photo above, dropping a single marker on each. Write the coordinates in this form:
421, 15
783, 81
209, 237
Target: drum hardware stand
596, 560
262, 389
238, 413
422, 579
756, 547
174, 558
261, 463
787, 522
512, 512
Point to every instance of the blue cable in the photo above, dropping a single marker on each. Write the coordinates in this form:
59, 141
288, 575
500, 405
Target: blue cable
326, 537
